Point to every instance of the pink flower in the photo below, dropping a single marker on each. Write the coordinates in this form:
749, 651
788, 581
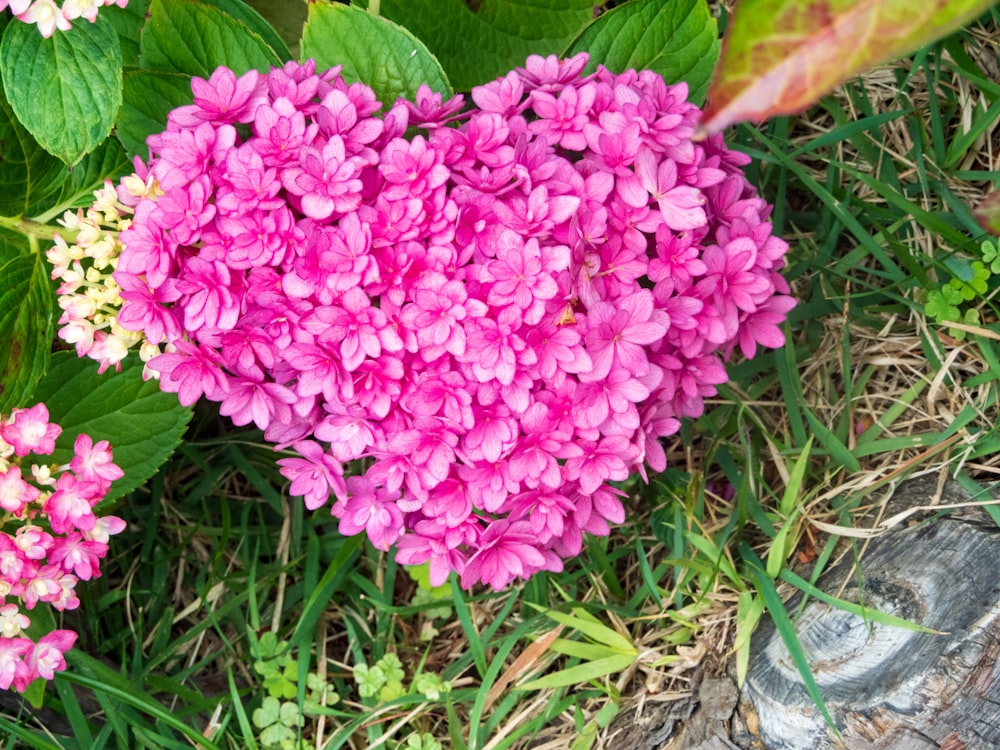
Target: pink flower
46, 658
617, 334
15, 493
507, 550
498, 317
370, 509
29, 431
315, 475
92, 462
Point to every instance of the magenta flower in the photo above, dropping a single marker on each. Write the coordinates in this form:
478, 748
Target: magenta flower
507, 550
29, 431
617, 334
499, 315
50, 538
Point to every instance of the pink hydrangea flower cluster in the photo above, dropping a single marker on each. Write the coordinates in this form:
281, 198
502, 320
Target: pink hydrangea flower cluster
48, 15
50, 538
488, 313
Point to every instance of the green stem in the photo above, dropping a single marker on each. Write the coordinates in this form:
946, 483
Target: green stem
35, 230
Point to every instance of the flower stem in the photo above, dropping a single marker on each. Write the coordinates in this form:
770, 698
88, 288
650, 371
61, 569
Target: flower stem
34, 230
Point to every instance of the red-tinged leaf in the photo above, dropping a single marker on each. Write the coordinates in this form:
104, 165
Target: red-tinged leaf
780, 56
988, 213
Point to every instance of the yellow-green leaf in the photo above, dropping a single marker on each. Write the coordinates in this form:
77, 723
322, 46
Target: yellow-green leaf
780, 56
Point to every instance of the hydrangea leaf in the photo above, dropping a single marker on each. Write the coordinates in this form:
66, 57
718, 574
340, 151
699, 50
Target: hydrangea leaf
28, 173
988, 213
148, 98
678, 40
128, 22
107, 161
142, 424
479, 41
186, 36
12, 245
256, 22
780, 56
342, 35
26, 312
66, 89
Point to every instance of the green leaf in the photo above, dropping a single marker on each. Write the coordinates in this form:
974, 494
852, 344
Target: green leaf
679, 40
780, 56
256, 23
26, 312
148, 98
107, 161
268, 712
186, 36
594, 629
342, 35
12, 245
28, 173
128, 22
786, 629
142, 424
66, 89
479, 41
591, 670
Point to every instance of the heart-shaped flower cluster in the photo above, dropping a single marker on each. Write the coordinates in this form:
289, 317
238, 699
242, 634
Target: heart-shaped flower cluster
486, 314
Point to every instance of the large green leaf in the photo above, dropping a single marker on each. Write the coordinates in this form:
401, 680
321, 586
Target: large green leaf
256, 22
28, 173
478, 41
66, 89
149, 96
12, 245
780, 56
107, 162
26, 312
128, 22
186, 36
342, 35
143, 424
679, 40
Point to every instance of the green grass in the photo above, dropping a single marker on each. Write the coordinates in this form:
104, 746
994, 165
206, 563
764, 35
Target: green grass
873, 189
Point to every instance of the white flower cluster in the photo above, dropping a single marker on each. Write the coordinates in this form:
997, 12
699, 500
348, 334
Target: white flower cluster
88, 295
48, 15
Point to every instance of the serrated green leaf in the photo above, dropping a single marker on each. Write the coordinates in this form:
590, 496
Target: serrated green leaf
26, 312
342, 35
128, 22
591, 670
186, 36
66, 90
256, 22
284, 17
476, 42
780, 56
679, 40
28, 173
148, 98
12, 245
142, 424
107, 162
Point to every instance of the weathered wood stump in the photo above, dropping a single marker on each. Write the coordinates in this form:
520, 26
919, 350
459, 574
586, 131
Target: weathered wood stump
885, 687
